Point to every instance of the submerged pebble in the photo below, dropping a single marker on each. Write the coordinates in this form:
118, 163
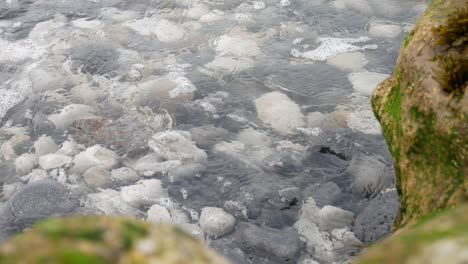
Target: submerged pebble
216, 222
143, 193
280, 112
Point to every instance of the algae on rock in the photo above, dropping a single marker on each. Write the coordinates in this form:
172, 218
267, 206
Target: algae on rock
424, 122
105, 240
437, 238
423, 111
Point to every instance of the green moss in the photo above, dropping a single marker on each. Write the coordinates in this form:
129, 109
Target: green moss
131, 232
407, 39
431, 216
54, 230
71, 256
392, 107
437, 148
433, 154
412, 243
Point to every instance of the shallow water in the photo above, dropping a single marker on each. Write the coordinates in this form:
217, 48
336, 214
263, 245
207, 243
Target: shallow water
272, 96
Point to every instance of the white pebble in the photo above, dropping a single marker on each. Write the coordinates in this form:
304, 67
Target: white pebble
216, 222
25, 163
280, 112
384, 30
53, 161
365, 82
97, 177
94, 156
158, 214
45, 145
177, 145
125, 174
143, 193
68, 148
69, 114
35, 175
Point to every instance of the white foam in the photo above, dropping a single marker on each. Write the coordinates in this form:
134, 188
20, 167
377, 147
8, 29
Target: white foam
310, 131
331, 47
20, 50
183, 86
87, 24
16, 94
258, 5
364, 121
284, 3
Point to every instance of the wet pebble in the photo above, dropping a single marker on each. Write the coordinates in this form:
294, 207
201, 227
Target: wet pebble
94, 156
143, 193
216, 222
283, 244
177, 145
97, 177
124, 175
25, 163
158, 214
280, 112
45, 145
33, 202
376, 220
53, 161
207, 136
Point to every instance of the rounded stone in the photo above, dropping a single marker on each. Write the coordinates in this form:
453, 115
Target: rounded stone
25, 163
94, 156
97, 177
124, 175
216, 222
280, 112
105, 239
53, 161
45, 145
143, 193
158, 214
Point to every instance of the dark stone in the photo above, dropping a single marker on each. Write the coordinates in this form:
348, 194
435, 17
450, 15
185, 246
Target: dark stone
376, 220
283, 244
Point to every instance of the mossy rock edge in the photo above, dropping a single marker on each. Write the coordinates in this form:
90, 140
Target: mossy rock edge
105, 240
437, 238
423, 110
424, 122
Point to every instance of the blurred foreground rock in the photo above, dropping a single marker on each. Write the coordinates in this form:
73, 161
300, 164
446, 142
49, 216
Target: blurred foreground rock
105, 240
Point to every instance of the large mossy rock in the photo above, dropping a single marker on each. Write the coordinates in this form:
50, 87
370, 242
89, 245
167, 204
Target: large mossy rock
423, 111
105, 240
439, 238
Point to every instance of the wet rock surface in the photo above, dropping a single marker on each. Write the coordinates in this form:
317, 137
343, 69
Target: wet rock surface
36, 201
424, 114
102, 239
